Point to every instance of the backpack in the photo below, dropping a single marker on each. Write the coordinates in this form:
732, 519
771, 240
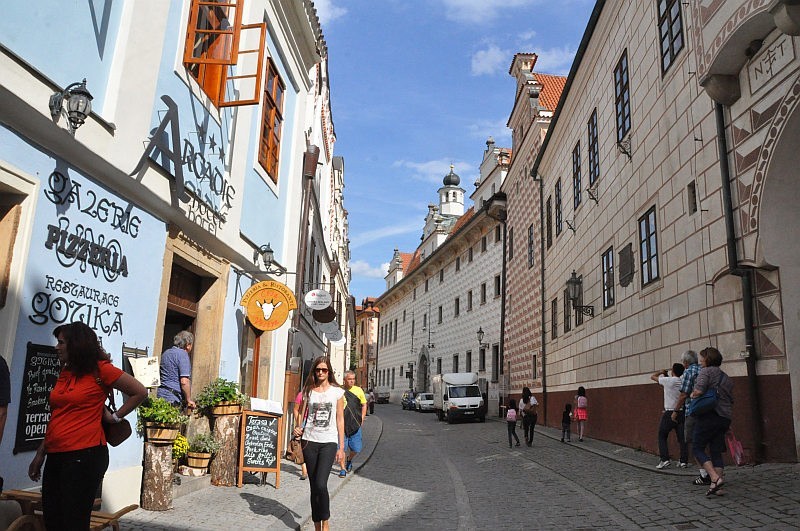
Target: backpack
352, 413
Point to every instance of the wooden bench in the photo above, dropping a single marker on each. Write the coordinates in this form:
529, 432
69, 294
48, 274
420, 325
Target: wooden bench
101, 520
31, 504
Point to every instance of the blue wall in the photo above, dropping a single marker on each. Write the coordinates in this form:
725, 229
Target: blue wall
119, 302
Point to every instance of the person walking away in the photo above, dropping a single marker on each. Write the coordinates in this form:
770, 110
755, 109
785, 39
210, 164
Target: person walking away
298, 407
672, 387
176, 371
323, 433
581, 413
566, 421
511, 421
529, 410
74, 445
355, 411
691, 370
712, 425
371, 401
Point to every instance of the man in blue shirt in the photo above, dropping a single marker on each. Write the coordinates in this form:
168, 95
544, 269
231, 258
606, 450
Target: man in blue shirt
176, 371
689, 360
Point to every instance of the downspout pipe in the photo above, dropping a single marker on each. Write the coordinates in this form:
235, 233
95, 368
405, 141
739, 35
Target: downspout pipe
746, 276
537, 177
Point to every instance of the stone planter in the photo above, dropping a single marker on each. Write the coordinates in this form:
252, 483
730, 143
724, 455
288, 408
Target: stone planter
198, 459
161, 433
226, 408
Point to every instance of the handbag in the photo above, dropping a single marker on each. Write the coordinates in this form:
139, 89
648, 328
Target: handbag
295, 451
703, 403
734, 448
116, 432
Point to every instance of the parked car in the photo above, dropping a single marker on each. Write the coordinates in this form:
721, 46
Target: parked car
407, 400
423, 402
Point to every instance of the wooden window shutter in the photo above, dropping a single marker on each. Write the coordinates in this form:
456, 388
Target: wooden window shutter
212, 36
243, 79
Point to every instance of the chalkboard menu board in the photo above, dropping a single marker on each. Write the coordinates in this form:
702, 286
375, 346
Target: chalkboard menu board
38, 379
260, 444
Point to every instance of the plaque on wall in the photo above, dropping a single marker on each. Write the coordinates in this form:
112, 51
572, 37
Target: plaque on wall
626, 269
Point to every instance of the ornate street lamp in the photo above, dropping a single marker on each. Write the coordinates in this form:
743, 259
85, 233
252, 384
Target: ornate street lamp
79, 104
574, 290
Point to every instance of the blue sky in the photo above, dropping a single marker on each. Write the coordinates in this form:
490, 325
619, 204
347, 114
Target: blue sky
417, 85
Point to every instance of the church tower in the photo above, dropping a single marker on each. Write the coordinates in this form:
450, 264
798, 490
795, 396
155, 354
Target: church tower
451, 195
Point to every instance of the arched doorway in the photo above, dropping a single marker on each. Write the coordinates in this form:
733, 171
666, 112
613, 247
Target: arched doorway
423, 371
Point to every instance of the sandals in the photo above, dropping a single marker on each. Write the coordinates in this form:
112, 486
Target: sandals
715, 487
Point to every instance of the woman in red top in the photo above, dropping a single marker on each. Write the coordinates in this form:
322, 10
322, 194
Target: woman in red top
75, 444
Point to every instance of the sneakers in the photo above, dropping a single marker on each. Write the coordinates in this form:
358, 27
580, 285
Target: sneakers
663, 464
702, 480
683, 465
343, 474
562, 439
349, 466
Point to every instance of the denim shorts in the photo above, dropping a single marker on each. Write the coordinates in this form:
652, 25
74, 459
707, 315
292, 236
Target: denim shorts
354, 442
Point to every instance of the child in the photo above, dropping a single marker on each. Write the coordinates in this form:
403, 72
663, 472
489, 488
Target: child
566, 420
581, 411
511, 421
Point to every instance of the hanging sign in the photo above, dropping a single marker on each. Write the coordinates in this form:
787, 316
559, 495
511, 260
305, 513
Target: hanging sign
267, 304
318, 299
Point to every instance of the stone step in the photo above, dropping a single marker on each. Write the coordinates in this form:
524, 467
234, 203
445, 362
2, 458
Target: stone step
183, 485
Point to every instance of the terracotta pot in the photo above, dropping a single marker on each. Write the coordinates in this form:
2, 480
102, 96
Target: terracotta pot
198, 459
226, 408
161, 433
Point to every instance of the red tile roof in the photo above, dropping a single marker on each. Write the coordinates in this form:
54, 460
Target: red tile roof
412, 264
463, 219
405, 258
551, 91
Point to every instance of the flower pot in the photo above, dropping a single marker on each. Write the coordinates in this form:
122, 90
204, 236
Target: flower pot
161, 433
226, 408
198, 459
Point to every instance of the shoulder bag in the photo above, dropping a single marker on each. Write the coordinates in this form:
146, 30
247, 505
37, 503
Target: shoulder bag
116, 432
706, 402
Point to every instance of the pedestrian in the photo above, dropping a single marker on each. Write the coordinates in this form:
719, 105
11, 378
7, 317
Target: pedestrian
581, 412
691, 370
323, 435
711, 426
529, 410
566, 422
74, 445
5, 394
298, 403
671, 419
355, 411
371, 401
176, 371
511, 421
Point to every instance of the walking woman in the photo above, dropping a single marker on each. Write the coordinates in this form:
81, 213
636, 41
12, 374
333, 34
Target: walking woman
581, 411
75, 444
710, 427
322, 435
529, 408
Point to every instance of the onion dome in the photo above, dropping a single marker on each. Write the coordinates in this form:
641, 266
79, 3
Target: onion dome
451, 179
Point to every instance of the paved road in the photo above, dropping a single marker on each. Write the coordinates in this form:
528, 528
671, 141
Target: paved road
429, 475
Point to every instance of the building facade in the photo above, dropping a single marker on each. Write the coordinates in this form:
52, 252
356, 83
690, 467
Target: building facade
668, 167
367, 322
152, 213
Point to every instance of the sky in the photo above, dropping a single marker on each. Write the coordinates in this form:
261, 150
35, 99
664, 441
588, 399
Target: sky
418, 85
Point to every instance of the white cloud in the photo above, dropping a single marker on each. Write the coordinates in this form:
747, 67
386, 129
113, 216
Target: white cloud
433, 171
497, 129
555, 60
490, 61
360, 268
359, 240
327, 12
479, 11
526, 37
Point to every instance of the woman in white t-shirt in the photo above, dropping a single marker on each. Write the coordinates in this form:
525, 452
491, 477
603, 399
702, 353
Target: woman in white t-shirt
322, 435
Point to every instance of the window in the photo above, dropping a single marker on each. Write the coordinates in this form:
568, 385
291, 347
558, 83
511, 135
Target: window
622, 97
579, 302
441, 275
469, 361
567, 312
511, 243
549, 222
608, 278
531, 244
648, 247
212, 52
594, 149
483, 244
271, 122
497, 285
691, 197
554, 319
413, 323
457, 307
414, 295
458, 263
426, 285
394, 335
424, 321
469, 255
404, 316
392, 377
670, 29
497, 234
576, 176
495, 363
469, 301
535, 373
482, 359
440, 315
483, 293
559, 211
455, 362
438, 365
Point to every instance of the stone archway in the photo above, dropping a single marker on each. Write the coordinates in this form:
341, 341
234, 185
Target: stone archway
423, 371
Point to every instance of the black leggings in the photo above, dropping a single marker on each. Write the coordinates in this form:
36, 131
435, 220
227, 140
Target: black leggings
528, 424
319, 461
69, 485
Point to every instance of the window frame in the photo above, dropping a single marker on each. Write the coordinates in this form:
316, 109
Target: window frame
622, 96
607, 271
559, 209
567, 312
667, 22
648, 247
271, 111
576, 176
549, 221
531, 244
594, 148
554, 318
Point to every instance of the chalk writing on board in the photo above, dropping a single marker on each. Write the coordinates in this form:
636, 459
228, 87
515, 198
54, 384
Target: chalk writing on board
260, 442
39, 376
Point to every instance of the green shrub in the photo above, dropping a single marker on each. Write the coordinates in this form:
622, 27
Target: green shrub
220, 390
159, 411
204, 442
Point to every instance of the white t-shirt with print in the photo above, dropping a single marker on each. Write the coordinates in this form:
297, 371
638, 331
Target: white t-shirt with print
321, 421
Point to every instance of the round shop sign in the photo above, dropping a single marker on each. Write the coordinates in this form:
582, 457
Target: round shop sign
326, 315
267, 304
337, 339
328, 328
318, 299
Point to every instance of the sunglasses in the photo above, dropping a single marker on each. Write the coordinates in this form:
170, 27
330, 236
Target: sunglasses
321, 369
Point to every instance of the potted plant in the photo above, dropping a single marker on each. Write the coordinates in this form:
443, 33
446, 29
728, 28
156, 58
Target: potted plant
159, 421
221, 397
201, 447
179, 448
